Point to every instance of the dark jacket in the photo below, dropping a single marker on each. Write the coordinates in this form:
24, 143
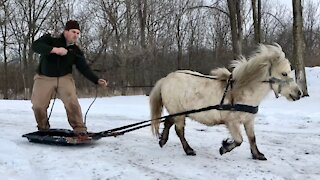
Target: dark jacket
53, 65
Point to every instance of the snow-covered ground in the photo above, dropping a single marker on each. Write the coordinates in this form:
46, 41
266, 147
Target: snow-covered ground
288, 133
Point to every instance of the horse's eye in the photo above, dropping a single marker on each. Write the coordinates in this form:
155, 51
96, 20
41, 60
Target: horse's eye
284, 74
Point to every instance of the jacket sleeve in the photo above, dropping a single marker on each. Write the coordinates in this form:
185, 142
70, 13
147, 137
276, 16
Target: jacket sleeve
84, 68
42, 45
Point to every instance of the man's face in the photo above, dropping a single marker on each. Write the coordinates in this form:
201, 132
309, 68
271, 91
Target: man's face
72, 35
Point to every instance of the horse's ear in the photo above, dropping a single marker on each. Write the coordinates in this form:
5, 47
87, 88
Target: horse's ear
279, 54
277, 45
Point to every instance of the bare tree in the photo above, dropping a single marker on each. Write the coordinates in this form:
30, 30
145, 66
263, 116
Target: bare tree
299, 46
180, 29
235, 17
311, 27
61, 12
29, 18
142, 12
129, 19
5, 15
256, 14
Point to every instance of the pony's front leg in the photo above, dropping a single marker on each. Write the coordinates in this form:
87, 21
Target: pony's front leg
228, 145
256, 154
179, 127
165, 133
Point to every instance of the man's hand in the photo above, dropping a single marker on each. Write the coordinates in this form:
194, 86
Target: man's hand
102, 82
59, 51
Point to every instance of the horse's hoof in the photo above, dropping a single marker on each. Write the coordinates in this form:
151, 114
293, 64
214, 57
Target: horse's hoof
222, 150
191, 152
259, 157
162, 143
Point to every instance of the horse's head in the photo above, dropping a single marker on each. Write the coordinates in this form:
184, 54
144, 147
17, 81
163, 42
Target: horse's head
280, 76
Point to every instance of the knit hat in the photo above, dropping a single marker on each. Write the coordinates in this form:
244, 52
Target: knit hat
72, 24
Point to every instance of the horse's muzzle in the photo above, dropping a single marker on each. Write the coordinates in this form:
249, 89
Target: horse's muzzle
297, 95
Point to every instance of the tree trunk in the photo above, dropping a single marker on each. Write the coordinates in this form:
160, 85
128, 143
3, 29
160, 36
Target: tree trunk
142, 11
27, 94
236, 26
256, 14
179, 42
299, 46
4, 33
5, 65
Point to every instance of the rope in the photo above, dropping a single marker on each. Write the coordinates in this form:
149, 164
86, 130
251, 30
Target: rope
54, 99
55, 95
56, 92
85, 116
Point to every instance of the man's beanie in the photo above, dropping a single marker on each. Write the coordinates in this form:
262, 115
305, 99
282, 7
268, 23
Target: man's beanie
71, 24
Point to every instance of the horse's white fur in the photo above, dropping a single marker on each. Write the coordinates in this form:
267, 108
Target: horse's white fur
180, 92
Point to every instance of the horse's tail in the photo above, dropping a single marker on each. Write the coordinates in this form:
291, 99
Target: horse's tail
156, 107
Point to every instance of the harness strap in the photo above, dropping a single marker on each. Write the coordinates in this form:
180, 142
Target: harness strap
135, 126
272, 81
229, 83
281, 82
198, 75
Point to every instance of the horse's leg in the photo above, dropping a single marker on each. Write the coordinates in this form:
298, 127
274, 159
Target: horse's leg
179, 127
165, 133
235, 132
256, 154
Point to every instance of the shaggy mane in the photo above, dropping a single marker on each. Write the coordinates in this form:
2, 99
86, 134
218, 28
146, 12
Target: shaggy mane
247, 72
221, 73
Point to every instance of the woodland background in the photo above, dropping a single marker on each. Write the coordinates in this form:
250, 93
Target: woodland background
133, 43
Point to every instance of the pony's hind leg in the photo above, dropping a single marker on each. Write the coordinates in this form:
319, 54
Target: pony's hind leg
165, 133
256, 154
179, 127
228, 145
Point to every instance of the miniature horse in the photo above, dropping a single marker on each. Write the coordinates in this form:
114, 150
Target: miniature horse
247, 85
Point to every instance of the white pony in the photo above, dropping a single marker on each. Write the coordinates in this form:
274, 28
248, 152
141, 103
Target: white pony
237, 95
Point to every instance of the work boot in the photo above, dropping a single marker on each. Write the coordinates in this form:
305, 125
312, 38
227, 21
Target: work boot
83, 136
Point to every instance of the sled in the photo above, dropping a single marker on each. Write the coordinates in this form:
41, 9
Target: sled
64, 137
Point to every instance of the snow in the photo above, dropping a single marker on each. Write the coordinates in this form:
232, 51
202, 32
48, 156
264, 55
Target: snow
288, 133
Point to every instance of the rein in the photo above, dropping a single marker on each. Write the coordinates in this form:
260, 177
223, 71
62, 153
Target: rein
142, 124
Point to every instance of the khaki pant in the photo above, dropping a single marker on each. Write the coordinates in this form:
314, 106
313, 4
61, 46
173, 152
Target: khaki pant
44, 89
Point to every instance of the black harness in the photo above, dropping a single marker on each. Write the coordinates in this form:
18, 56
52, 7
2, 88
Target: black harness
222, 106
239, 107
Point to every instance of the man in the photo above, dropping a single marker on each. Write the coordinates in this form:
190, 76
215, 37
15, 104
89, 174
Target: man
54, 75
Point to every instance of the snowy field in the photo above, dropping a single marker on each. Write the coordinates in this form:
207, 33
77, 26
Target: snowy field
288, 133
